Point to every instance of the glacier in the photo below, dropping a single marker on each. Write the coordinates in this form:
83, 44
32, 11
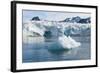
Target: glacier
38, 28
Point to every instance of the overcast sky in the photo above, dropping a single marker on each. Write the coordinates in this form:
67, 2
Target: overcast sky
48, 15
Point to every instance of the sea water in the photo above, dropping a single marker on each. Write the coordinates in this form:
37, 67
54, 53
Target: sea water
40, 49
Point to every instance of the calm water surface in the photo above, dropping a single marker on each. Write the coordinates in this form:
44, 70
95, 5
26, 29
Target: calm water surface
39, 49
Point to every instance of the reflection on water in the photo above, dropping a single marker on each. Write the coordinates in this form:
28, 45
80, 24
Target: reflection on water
39, 49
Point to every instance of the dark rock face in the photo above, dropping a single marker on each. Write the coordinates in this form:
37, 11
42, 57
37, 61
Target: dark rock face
82, 21
87, 20
36, 18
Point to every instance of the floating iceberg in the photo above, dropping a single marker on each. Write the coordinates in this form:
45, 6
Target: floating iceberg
68, 42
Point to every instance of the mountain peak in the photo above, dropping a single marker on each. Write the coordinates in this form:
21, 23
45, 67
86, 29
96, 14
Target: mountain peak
36, 18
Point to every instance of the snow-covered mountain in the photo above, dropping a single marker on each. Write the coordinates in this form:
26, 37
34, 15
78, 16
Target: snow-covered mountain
77, 19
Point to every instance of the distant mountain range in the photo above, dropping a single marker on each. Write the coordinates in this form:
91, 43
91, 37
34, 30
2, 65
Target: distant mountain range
76, 19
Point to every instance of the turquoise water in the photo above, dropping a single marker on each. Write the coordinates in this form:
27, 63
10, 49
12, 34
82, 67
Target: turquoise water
39, 49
